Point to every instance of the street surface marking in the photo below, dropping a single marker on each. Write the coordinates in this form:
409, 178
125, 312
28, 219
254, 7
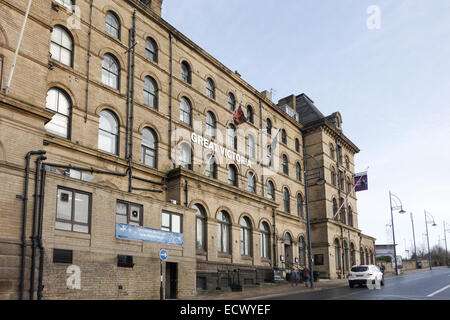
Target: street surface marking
439, 291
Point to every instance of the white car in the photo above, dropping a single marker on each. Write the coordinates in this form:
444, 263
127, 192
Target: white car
362, 274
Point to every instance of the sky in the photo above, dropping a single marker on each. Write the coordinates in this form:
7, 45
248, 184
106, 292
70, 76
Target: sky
386, 71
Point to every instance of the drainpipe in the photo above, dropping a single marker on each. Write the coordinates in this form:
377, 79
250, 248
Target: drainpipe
133, 56
261, 147
88, 61
40, 244
33, 233
275, 251
128, 95
186, 193
170, 95
24, 218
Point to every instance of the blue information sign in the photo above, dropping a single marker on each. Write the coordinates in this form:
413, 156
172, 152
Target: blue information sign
163, 254
128, 232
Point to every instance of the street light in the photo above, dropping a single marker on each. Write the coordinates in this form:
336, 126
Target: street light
445, 238
320, 181
428, 239
397, 206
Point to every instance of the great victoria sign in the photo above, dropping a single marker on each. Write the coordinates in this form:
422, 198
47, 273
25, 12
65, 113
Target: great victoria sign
208, 144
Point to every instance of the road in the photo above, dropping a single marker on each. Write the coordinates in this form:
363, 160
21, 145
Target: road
425, 285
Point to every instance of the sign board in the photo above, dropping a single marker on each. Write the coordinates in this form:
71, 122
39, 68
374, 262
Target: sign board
278, 275
399, 262
163, 254
128, 232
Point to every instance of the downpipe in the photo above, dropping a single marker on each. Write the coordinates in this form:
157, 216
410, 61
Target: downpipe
24, 218
40, 244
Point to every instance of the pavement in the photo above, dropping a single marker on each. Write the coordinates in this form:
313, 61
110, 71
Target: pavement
284, 287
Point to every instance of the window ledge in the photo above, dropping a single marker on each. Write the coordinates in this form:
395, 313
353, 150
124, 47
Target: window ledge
224, 255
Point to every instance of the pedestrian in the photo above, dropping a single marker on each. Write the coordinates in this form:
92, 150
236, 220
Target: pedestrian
306, 276
293, 277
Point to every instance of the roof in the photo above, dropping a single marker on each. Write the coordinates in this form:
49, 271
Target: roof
306, 109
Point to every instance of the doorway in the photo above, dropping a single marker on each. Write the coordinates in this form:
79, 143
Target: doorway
171, 280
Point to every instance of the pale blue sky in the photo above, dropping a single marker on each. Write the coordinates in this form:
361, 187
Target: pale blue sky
391, 85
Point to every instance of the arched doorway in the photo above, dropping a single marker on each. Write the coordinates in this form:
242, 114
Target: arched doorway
289, 259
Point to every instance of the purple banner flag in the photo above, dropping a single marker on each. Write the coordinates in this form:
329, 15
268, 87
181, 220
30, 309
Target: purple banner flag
361, 182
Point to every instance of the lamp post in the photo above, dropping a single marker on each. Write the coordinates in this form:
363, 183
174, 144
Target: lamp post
428, 239
445, 239
400, 208
308, 224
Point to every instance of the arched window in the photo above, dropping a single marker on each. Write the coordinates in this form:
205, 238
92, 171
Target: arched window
332, 151
110, 71
186, 111
246, 237
231, 136
265, 240
112, 26
231, 102
367, 257
337, 254
270, 190
149, 148
352, 255
200, 231
61, 46
211, 125
285, 164
232, 175
269, 126
333, 177
224, 232
251, 182
151, 49
283, 136
269, 156
300, 205
210, 88
361, 255
302, 251
185, 156
298, 172
297, 145
345, 258
250, 116
108, 133
335, 209
59, 102
286, 200
350, 216
211, 166
186, 74
342, 212
251, 148
150, 92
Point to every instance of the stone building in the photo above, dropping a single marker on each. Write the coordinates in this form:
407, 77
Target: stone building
117, 140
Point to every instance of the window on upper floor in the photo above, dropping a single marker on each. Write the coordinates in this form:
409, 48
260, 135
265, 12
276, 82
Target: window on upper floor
59, 102
67, 3
251, 182
108, 133
231, 102
185, 156
61, 46
211, 125
186, 111
297, 145
269, 126
149, 148
186, 73
112, 25
211, 166
286, 200
150, 92
151, 49
283, 136
250, 115
210, 88
232, 175
285, 164
298, 172
270, 190
232, 137
251, 146
111, 71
